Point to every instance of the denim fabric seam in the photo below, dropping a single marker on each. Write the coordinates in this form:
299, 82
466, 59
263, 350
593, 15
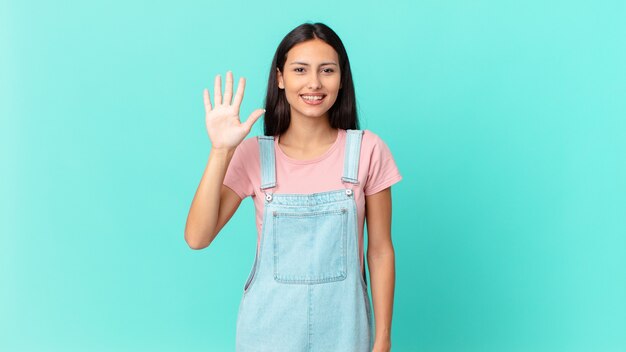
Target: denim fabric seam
310, 195
309, 214
363, 285
308, 205
251, 275
309, 320
350, 179
258, 258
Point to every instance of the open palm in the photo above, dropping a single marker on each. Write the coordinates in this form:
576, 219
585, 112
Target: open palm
223, 125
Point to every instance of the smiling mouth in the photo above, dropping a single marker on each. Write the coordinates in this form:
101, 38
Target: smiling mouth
312, 98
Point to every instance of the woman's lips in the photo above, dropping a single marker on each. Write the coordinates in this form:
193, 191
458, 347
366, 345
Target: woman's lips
313, 102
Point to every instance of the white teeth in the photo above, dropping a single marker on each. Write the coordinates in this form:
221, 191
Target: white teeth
312, 97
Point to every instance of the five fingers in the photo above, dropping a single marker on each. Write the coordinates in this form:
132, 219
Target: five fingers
217, 89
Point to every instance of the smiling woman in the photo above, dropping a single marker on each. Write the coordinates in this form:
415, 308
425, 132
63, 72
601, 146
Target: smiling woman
310, 60
312, 77
312, 176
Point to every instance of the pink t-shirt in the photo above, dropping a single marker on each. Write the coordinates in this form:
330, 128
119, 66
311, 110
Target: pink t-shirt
377, 171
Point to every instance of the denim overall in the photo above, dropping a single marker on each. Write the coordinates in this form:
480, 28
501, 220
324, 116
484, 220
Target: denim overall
306, 291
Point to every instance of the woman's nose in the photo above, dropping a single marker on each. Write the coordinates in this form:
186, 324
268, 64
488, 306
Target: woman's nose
314, 81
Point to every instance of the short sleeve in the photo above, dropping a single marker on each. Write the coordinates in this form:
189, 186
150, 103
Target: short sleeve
237, 176
383, 171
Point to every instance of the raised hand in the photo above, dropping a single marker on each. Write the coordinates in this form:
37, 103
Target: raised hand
223, 125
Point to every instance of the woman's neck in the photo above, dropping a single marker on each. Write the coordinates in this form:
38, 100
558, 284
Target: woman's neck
308, 134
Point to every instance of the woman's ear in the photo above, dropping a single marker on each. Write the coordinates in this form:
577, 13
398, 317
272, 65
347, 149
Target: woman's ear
279, 77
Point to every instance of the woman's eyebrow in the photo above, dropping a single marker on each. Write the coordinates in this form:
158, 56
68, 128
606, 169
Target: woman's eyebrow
305, 64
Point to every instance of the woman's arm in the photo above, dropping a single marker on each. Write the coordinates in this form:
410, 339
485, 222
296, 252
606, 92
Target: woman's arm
213, 204
381, 261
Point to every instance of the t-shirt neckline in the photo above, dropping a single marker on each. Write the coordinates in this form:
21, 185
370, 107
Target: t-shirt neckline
340, 134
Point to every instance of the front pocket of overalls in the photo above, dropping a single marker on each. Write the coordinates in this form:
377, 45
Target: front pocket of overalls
310, 246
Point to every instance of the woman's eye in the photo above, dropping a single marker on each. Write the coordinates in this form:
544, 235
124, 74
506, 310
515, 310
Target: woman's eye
301, 69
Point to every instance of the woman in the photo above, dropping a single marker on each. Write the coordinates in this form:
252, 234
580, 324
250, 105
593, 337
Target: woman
314, 177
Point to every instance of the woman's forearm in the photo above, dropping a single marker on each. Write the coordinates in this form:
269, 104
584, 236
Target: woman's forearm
382, 276
204, 211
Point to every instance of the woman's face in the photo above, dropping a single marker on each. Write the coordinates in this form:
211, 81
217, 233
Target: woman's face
311, 72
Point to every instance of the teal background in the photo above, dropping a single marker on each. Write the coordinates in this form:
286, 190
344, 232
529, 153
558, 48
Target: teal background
506, 119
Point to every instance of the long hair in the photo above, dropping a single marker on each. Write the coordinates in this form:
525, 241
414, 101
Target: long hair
277, 110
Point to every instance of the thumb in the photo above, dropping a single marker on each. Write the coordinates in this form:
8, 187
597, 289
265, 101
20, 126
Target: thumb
254, 116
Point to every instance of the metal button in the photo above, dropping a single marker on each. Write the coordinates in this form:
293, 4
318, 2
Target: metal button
268, 197
349, 192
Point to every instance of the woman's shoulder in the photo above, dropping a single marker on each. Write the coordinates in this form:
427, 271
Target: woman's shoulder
371, 140
249, 143
248, 149
370, 135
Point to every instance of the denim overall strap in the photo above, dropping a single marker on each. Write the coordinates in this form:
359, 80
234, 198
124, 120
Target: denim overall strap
352, 155
268, 161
